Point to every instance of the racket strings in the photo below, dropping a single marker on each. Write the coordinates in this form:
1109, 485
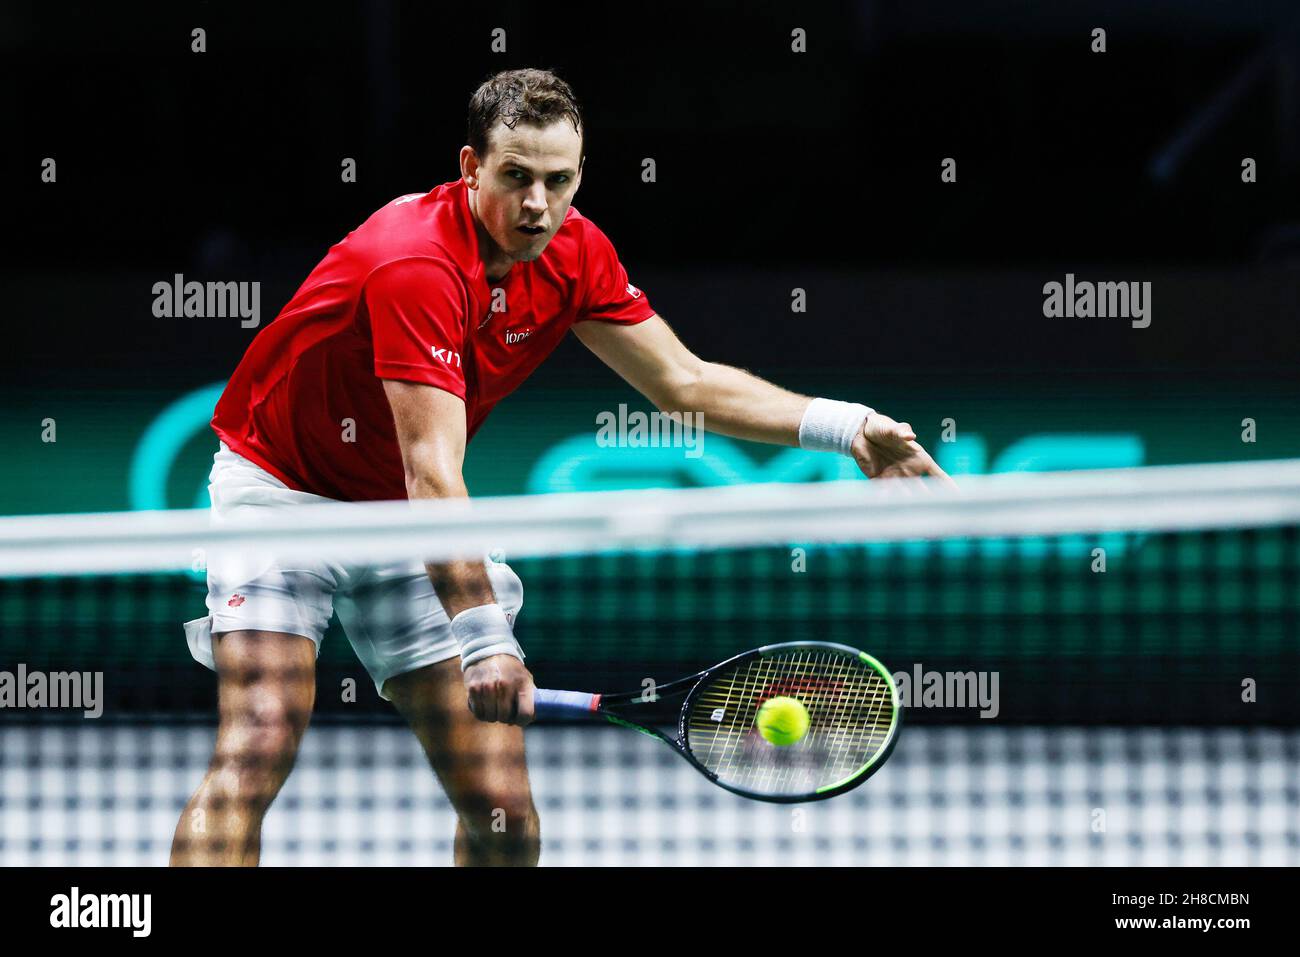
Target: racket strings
850, 707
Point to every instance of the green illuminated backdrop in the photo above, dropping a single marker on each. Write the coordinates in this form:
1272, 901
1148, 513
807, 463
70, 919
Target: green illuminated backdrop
143, 449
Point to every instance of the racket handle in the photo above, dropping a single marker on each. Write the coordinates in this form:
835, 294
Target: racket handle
564, 704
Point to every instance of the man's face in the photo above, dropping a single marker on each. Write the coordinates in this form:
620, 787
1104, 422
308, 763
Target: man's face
525, 185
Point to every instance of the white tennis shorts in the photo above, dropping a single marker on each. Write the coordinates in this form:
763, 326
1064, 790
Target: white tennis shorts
390, 613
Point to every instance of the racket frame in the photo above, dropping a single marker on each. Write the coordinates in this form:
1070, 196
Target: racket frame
697, 684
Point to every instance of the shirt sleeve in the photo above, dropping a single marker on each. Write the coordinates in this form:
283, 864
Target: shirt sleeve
418, 310
608, 295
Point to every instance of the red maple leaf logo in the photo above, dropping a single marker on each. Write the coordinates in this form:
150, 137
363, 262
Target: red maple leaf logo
235, 601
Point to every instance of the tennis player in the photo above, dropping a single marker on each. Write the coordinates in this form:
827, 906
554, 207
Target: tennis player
369, 385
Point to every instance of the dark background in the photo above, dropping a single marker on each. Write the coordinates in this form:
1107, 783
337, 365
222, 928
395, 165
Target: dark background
775, 170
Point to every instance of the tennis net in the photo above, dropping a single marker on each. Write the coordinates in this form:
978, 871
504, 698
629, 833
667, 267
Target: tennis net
1097, 668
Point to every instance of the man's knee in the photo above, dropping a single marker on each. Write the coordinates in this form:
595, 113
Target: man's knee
276, 718
256, 746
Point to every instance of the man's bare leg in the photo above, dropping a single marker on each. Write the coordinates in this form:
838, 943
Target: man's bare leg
266, 689
481, 766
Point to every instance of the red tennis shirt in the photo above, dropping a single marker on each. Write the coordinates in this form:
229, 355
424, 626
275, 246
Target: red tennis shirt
405, 296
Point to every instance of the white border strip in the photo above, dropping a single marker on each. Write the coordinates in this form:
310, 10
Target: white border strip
1159, 498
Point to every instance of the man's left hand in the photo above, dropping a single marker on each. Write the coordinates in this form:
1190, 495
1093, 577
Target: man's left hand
888, 449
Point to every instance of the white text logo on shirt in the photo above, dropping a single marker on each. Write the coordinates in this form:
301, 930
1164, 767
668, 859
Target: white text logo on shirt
512, 337
447, 356
633, 291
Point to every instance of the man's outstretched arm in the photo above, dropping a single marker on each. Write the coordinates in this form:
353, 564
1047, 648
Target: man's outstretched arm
733, 402
430, 425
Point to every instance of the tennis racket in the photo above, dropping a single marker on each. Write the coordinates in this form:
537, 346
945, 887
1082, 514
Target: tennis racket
851, 700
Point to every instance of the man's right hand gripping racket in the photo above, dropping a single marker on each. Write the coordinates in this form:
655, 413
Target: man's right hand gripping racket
850, 701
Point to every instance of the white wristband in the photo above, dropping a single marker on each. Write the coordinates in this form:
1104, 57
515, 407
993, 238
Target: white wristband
482, 632
831, 426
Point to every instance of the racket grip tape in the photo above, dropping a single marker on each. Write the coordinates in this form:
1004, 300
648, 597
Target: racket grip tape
564, 704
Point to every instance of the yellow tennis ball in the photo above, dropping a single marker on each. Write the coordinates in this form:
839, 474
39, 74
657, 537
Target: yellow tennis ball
782, 720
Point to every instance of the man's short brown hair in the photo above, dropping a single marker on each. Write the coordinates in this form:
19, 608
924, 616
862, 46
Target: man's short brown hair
531, 96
